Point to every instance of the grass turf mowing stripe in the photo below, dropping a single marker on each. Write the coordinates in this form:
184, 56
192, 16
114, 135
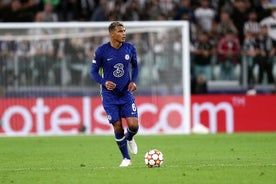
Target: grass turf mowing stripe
221, 158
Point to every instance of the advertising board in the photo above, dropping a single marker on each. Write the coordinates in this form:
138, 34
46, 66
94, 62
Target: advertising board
158, 114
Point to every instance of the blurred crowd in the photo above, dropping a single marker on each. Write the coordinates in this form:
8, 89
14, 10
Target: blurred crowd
228, 37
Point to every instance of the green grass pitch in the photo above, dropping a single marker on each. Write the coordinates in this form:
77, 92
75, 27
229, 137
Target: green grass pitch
221, 158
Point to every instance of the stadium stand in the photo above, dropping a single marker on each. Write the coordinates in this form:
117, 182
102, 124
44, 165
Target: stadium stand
231, 29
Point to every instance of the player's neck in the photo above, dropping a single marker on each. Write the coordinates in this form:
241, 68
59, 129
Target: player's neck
115, 44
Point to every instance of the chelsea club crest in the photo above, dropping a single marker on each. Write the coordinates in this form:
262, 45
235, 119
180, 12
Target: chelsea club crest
126, 57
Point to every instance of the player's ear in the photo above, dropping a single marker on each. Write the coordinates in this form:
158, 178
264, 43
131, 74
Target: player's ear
111, 33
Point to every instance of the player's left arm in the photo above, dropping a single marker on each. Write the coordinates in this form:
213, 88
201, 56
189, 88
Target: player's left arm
135, 70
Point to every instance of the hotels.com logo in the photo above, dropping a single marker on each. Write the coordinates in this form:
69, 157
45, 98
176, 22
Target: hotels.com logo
44, 119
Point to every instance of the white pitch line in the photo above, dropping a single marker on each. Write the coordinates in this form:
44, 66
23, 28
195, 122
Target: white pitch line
166, 166
231, 165
59, 168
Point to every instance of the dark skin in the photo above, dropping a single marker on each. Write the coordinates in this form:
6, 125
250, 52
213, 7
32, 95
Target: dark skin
117, 37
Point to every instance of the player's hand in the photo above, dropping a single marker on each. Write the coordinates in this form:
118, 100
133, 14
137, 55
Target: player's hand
132, 87
110, 85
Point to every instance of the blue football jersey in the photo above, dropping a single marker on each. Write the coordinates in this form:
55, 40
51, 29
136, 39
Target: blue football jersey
111, 64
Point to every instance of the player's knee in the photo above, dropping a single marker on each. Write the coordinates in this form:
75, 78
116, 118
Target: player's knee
118, 127
133, 126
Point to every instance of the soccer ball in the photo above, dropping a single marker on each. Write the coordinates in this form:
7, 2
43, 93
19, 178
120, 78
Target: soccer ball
154, 158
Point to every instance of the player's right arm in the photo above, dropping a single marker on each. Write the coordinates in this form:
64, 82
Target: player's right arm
96, 67
97, 74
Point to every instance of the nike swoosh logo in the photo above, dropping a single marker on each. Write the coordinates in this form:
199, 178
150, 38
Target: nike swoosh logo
108, 59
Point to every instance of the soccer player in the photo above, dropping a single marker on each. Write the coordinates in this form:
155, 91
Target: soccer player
110, 68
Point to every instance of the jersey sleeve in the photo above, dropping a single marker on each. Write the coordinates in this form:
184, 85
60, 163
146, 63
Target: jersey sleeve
96, 72
135, 68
